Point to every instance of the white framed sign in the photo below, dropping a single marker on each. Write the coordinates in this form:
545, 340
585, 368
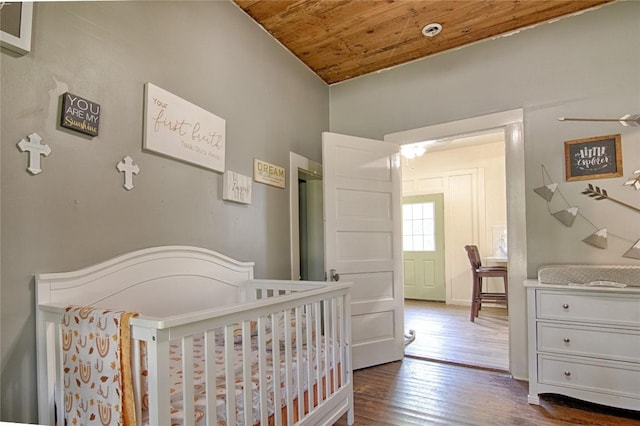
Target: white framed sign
236, 187
181, 130
15, 26
268, 173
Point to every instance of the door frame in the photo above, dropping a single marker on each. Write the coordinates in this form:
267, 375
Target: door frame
512, 124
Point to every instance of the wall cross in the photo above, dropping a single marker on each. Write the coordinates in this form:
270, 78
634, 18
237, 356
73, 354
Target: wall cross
129, 169
35, 150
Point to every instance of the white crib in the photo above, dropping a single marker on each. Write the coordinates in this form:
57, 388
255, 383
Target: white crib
184, 294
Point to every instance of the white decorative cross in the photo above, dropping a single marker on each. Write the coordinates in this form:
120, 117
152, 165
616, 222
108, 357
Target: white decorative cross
129, 169
35, 151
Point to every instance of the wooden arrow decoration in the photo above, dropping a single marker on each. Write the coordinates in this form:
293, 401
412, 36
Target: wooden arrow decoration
634, 181
625, 120
598, 193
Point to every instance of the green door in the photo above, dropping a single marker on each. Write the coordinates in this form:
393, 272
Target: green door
423, 247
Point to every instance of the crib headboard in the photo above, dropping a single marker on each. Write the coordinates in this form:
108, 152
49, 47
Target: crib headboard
185, 276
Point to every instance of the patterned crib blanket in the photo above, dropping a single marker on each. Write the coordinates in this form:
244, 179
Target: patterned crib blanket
301, 355
97, 367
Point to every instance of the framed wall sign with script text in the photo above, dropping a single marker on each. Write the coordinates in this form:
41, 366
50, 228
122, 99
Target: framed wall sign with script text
593, 158
179, 129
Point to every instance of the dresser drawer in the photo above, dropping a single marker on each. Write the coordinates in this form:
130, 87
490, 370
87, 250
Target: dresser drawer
613, 378
588, 307
610, 343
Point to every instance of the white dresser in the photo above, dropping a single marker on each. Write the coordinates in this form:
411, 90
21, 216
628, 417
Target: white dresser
584, 342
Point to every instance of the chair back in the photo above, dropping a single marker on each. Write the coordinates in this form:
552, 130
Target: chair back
474, 256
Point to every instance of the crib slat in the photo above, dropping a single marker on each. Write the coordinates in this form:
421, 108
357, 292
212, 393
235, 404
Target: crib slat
246, 373
187, 381
334, 342
262, 368
210, 374
327, 340
288, 357
229, 372
309, 346
299, 366
277, 371
318, 350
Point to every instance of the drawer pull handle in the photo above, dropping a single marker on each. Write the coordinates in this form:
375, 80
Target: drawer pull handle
567, 373
566, 340
565, 306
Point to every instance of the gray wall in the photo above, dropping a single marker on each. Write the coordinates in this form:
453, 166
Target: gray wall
76, 212
582, 66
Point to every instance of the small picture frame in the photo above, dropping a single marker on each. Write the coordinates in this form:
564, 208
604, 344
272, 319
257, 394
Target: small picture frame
598, 157
15, 27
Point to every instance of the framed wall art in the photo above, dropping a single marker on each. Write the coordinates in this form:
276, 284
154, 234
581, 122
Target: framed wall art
15, 26
593, 158
181, 130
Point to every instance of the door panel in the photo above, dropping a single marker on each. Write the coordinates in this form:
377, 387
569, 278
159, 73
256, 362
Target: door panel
463, 190
362, 202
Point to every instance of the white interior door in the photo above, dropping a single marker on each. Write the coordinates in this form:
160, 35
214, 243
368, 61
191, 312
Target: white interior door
363, 240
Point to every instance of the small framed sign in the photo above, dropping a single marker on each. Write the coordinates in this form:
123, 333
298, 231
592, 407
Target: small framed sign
269, 174
236, 187
80, 114
593, 158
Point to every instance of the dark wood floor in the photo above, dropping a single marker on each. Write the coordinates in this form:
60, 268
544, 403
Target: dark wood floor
444, 333
419, 392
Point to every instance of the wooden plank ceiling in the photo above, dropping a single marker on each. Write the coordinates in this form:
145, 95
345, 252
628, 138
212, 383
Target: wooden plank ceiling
343, 39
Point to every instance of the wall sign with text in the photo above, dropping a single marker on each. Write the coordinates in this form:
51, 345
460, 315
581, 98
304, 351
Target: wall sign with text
236, 187
181, 130
593, 158
269, 174
80, 114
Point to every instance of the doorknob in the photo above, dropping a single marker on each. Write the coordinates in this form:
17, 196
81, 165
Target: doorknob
334, 276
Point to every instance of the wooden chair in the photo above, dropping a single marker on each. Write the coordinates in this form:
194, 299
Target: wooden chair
478, 296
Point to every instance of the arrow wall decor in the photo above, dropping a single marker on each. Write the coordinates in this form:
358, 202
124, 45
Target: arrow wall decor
599, 238
598, 193
634, 181
625, 120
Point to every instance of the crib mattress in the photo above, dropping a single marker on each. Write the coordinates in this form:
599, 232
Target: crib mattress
301, 357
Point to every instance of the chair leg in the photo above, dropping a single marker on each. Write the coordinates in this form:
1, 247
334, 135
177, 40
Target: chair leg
506, 291
474, 298
479, 302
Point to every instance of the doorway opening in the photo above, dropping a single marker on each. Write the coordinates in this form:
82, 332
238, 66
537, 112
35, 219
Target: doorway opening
468, 169
307, 225
311, 226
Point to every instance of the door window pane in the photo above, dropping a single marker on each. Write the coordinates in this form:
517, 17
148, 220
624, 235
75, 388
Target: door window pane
418, 231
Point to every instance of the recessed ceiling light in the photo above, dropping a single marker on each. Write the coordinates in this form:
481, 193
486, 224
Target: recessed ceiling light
431, 30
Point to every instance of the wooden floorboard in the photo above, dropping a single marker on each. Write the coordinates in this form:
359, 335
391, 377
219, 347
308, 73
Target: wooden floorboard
445, 333
419, 392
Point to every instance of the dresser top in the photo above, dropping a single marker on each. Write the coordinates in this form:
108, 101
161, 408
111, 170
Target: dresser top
582, 287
